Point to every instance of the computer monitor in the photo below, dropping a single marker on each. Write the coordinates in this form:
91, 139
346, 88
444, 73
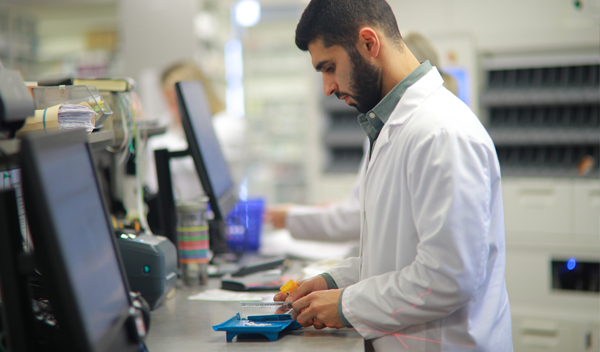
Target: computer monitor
211, 167
204, 147
75, 249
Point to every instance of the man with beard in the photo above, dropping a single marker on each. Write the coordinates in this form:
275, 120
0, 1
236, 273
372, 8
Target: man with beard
430, 273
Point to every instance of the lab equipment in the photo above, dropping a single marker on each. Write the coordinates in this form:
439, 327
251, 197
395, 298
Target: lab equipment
75, 250
192, 242
268, 325
150, 264
288, 287
15, 101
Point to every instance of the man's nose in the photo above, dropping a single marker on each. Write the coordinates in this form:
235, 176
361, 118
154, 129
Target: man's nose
329, 86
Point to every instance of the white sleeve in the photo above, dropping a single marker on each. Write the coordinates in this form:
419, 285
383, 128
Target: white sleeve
450, 190
346, 272
336, 223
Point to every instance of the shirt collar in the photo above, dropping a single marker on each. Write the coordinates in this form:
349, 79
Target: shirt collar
373, 121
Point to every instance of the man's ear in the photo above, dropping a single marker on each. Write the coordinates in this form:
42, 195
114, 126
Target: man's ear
368, 43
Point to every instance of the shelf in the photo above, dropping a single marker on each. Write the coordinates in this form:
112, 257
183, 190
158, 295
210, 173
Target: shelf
342, 168
549, 96
547, 172
101, 139
97, 140
543, 136
539, 61
344, 138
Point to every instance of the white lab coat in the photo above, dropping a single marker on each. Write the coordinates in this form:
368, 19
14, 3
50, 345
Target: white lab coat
430, 276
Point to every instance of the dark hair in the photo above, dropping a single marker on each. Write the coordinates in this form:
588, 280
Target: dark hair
337, 22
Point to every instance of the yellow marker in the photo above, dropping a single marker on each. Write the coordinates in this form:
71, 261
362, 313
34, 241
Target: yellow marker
288, 287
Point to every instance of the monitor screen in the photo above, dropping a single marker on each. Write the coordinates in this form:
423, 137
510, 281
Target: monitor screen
73, 240
204, 147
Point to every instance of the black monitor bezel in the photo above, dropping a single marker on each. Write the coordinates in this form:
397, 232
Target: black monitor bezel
220, 206
53, 267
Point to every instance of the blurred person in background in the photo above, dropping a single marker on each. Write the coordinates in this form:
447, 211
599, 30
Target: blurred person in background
230, 131
339, 221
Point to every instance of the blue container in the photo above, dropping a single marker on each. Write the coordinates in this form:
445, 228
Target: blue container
244, 224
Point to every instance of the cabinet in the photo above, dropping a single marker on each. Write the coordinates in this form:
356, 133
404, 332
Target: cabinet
543, 116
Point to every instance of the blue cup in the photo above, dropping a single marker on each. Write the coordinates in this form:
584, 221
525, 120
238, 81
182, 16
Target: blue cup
243, 225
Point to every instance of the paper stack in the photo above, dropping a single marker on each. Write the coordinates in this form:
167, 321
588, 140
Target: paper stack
71, 116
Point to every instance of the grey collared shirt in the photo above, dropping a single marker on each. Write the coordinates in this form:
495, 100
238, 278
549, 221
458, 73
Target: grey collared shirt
373, 121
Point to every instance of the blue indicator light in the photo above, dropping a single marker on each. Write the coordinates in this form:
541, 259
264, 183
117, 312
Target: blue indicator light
146, 269
571, 263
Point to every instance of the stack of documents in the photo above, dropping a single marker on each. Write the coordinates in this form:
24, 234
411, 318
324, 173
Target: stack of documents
71, 116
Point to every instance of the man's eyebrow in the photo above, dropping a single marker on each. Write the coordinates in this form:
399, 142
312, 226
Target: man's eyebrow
320, 65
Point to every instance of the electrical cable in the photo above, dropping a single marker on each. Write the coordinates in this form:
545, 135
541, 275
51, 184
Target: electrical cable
123, 122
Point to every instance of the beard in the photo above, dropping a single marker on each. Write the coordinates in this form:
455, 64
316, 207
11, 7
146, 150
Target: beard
365, 82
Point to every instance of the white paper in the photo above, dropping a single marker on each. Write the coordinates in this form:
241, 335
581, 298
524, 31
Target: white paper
218, 295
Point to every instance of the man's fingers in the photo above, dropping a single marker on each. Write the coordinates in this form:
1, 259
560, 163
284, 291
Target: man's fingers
300, 304
280, 297
298, 293
305, 319
319, 326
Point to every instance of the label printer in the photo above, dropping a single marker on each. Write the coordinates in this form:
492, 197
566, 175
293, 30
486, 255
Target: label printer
150, 264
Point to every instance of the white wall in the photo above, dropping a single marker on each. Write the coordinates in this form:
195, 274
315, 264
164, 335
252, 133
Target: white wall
507, 25
154, 34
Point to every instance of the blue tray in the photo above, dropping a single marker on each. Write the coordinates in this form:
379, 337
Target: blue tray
267, 325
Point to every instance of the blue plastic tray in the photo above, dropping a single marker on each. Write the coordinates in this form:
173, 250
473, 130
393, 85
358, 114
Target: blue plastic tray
267, 325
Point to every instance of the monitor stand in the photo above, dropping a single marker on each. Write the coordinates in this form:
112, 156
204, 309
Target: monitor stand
166, 204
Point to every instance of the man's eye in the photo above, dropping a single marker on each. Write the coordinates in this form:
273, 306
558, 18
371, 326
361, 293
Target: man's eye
329, 69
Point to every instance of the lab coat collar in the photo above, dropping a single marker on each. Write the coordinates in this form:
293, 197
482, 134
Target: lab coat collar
414, 96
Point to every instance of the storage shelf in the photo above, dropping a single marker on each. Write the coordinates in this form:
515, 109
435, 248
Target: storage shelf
543, 136
101, 139
508, 171
544, 115
344, 138
97, 140
548, 96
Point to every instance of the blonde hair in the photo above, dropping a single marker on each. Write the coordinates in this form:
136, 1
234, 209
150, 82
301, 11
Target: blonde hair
423, 50
188, 71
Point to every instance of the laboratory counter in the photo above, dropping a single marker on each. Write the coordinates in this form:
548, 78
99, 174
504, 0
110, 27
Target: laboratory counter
182, 325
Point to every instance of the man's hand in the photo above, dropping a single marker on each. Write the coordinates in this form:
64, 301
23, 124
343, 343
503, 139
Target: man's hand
277, 215
319, 309
305, 287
